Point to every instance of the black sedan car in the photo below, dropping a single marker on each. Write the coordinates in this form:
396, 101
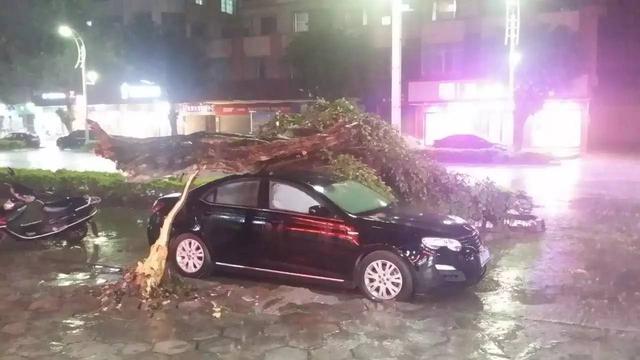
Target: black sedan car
75, 140
319, 228
30, 140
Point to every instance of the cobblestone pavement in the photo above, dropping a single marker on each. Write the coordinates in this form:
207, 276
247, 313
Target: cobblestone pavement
570, 293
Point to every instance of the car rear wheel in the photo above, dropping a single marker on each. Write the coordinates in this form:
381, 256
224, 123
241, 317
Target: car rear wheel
385, 276
190, 256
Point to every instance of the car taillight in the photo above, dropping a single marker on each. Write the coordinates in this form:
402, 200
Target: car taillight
157, 206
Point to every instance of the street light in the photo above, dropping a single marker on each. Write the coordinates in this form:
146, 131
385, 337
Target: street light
397, 8
396, 64
512, 38
92, 77
67, 32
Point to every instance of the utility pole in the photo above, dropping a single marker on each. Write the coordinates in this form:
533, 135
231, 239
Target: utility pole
512, 38
396, 64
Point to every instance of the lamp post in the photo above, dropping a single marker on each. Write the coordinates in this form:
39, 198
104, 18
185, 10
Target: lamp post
512, 39
396, 64
68, 32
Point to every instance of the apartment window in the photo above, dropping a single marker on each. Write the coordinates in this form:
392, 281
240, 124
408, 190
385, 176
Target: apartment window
228, 6
143, 17
256, 68
365, 18
173, 23
220, 69
197, 30
352, 18
442, 61
444, 10
199, 2
386, 20
262, 68
301, 22
268, 25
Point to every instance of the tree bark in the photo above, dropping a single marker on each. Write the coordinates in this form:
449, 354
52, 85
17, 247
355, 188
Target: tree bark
150, 272
232, 153
519, 122
173, 120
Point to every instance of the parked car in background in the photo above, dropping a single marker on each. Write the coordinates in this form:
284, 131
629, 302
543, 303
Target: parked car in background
471, 142
75, 140
320, 228
29, 140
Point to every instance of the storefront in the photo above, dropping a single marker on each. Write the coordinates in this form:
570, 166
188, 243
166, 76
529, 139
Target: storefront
197, 117
133, 120
485, 109
239, 117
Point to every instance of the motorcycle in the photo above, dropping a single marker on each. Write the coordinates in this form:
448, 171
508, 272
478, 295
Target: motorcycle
30, 216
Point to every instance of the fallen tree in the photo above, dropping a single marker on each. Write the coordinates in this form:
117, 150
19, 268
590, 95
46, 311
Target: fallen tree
335, 136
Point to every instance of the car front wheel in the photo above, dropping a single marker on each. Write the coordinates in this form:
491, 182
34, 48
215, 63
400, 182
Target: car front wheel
385, 276
190, 256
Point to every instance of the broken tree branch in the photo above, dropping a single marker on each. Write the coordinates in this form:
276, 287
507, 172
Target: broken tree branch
149, 273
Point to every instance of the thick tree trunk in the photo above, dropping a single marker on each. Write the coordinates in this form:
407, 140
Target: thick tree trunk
150, 272
519, 122
173, 120
230, 153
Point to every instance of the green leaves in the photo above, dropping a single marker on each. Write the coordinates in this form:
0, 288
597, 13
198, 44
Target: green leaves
353, 169
377, 156
11, 144
112, 188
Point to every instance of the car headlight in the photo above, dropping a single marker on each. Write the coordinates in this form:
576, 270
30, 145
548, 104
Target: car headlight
437, 243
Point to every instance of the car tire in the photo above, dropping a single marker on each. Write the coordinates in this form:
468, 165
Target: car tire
384, 276
190, 256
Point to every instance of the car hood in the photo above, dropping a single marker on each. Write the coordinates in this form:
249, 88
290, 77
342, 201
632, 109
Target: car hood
432, 224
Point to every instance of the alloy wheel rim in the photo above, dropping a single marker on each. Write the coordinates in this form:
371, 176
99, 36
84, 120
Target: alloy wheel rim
383, 279
190, 256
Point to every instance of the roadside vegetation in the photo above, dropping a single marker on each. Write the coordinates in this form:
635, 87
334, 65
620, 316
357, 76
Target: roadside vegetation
380, 158
113, 188
11, 145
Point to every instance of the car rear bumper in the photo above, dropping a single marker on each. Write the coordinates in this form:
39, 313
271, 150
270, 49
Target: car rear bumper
468, 270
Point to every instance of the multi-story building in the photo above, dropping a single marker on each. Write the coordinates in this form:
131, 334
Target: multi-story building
463, 84
169, 13
247, 40
615, 105
454, 68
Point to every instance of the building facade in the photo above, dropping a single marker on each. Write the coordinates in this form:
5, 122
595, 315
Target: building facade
170, 13
463, 85
455, 68
246, 41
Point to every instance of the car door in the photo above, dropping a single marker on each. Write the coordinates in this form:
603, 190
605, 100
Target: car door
223, 215
301, 243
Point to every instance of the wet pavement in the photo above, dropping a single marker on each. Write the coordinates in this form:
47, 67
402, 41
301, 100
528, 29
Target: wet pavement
52, 158
570, 293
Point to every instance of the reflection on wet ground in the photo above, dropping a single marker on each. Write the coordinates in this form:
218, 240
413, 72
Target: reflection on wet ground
570, 293
51, 158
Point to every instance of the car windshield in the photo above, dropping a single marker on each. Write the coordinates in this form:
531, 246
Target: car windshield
353, 197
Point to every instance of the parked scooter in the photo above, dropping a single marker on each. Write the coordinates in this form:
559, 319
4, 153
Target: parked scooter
30, 216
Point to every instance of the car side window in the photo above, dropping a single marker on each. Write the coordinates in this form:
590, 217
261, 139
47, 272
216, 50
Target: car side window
288, 198
238, 193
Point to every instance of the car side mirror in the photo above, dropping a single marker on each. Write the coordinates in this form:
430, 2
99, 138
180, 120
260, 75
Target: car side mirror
319, 210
